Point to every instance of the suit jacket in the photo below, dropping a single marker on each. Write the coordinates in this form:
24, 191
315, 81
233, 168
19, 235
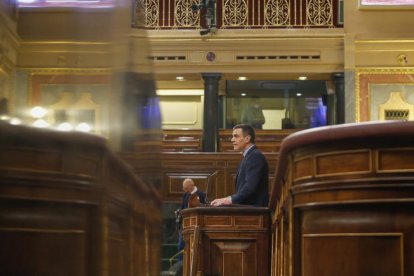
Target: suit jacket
186, 197
252, 180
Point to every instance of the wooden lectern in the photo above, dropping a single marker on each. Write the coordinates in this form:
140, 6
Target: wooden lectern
226, 241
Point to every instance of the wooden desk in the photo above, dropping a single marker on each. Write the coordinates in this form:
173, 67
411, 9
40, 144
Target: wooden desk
226, 241
343, 201
70, 207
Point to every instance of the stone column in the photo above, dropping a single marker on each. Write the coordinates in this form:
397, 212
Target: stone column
338, 79
210, 121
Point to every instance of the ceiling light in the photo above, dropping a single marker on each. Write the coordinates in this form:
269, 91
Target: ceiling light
243, 94
242, 78
303, 78
179, 78
298, 94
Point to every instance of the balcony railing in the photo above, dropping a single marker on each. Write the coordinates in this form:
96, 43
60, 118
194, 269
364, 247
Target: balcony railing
239, 14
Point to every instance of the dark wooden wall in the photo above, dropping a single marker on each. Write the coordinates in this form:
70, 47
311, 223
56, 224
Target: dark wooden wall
181, 158
343, 202
69, 206
212, 172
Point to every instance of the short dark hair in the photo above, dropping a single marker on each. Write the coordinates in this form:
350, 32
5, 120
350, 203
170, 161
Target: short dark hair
247, 130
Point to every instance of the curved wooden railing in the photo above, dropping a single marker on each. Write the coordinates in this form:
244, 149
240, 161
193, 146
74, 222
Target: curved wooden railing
343, 201
69, 206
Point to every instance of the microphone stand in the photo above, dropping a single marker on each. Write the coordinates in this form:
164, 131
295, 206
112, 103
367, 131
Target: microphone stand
207, 186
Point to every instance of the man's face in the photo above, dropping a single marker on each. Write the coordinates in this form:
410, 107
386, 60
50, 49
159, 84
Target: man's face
239, 141
188, 187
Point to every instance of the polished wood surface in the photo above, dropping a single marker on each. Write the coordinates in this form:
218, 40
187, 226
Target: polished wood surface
266, 140
343, 201
226, 241
69, 206
182, 140
190, 140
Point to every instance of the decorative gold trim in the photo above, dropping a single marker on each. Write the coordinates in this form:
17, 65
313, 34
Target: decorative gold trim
7, 65
64, 71
396, 102
374, 71
385, 70
376, 41
357, 107
369, 96
66, 42
59, 71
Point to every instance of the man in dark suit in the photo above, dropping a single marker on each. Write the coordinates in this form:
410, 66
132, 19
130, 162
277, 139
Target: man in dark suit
191, 191
192, 197
252, 174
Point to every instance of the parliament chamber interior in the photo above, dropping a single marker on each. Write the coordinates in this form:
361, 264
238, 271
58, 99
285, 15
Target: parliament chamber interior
107, 106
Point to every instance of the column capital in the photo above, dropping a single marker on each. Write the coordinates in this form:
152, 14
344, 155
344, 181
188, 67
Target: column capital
209, 76
337, 76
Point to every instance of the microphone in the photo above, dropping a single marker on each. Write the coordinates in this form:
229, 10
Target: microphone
208, 184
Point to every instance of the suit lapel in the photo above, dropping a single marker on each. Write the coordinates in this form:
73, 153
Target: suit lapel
239, 170
241, 166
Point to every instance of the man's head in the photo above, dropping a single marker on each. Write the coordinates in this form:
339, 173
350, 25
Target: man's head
188, 185
243, 136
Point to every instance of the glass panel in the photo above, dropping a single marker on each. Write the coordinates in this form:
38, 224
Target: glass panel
280, 106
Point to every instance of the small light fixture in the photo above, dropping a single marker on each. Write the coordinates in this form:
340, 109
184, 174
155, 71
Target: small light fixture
298, 94
38, 112
65, 126
40, 123
242, 78
15, 121
179, 78
243, 94
4, 118
303, 78
84, 127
